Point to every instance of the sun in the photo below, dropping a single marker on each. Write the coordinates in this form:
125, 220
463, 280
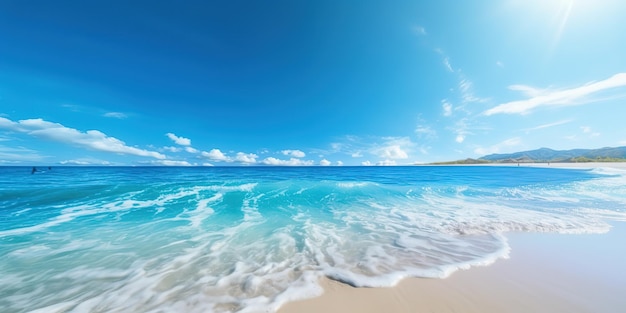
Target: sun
556, 18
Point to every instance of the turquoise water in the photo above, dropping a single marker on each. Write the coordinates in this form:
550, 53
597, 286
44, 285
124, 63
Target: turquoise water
248, 239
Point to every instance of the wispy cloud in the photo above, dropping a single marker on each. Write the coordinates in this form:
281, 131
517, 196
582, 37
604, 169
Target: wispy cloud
85, 161
461, 129
19, 154
446, 63
118, 115
565, 97
179, 140
466, 89
420, 30
72, 107
447, 107
589, 131
425, 132
392, 148
445, 60
91, 139
547, 125
172, 149
294, 153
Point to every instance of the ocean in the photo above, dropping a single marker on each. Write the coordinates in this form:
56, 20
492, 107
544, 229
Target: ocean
249, 239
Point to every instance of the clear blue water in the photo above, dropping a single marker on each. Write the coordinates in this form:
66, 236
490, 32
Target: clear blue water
159, 239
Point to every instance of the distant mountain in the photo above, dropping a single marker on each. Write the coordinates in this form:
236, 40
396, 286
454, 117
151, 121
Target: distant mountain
607, 154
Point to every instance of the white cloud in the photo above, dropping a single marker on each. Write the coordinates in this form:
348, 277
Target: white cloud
339, 163
207, 164
547, 125
393, 148
497, 148
118, 115
18, 154
425, 131
380, 147
216, 155
179, 140
446, 63
336, 146
91, 139
386, 163
294, 153
172, 149
191, 150
324, 162
366, 163
84, 162
587, 130
565, 97
528, 90
247, 158
290, 162
391, 152
463, 128
171, 163
75, 162
466, 87
447, 108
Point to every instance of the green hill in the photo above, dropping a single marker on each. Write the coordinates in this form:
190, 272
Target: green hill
608, 154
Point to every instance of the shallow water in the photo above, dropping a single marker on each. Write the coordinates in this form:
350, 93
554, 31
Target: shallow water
106, 239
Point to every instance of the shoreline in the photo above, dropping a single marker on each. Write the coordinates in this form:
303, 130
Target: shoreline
546, 272
587, 165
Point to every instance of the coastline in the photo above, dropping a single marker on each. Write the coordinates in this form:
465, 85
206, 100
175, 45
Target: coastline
588, 165
545, 273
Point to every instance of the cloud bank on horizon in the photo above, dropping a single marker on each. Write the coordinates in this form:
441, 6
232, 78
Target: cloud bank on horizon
307, 84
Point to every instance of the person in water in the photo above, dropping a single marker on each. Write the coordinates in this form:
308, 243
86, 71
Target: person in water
33, 170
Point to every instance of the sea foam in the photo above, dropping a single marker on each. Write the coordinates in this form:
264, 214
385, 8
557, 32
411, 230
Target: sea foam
251, 239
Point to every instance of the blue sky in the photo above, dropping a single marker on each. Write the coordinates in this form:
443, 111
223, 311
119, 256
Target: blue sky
307, 82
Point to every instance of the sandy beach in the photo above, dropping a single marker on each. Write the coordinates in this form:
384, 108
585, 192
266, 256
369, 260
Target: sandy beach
588, 165
620, 165
545, 272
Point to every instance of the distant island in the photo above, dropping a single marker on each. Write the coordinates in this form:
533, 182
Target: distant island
546, 155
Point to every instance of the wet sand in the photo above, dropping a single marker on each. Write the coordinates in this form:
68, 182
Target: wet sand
545, 273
